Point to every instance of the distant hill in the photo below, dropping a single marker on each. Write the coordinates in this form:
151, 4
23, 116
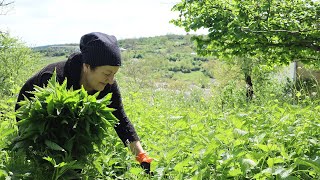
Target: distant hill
168, 56
156, 43
57, 49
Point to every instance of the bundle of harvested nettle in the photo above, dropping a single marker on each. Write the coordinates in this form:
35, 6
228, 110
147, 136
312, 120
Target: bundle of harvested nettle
60, 127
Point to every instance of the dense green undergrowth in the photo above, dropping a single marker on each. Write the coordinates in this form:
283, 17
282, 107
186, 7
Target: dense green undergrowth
190, 137
193, 139
194, 130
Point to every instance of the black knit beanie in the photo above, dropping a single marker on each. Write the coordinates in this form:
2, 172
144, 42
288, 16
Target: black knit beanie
99, 49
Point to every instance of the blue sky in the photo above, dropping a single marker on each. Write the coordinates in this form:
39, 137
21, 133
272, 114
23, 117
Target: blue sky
42, 22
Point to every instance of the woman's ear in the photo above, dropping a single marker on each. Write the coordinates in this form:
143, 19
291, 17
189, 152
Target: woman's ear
85, 67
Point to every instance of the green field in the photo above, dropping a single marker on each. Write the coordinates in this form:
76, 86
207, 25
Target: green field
196, 124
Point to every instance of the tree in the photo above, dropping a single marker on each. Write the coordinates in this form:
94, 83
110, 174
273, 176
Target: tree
14, 56
282, 30
4, 5
267, 31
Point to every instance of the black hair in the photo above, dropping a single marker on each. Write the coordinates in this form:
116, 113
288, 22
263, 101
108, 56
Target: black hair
93, 67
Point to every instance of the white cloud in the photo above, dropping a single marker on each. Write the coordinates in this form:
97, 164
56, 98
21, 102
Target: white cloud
40, 22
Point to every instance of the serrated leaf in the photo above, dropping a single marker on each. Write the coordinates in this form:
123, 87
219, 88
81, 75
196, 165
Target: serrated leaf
51, 160
53, 146
98, 167
96, 94
50, 105
106, 99
53, 79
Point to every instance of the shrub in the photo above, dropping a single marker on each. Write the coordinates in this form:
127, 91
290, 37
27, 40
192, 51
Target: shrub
14, 57
138, 56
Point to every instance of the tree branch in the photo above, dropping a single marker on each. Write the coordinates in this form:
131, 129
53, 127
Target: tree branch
3, 3
312, 59
246, 29
299, 44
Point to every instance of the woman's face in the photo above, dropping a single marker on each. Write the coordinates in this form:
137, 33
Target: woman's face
98, 78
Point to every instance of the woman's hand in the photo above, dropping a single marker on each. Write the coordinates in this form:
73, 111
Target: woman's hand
144, 161
141, 156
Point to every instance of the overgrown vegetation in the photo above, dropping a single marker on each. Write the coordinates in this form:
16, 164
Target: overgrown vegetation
197, 124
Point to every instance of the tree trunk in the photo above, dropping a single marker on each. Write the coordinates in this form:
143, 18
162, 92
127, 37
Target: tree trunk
249, 87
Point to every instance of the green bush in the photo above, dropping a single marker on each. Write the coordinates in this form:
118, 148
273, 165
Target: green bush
138, 56
14, 57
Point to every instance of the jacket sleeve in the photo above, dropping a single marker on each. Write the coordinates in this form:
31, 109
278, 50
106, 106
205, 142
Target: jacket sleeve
124, 128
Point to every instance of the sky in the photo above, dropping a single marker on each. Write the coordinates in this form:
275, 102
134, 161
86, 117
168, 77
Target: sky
44, 22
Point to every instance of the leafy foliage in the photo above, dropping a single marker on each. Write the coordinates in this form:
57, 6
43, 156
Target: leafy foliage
275, 31
62, 126
14, 57
191, 132
198, 139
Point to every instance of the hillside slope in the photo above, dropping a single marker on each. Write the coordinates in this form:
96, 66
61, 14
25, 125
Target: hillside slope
169, 58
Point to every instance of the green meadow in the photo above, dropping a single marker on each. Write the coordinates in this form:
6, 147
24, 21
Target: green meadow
190, 112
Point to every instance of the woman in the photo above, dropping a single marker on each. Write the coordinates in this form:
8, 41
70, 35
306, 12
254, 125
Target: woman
94, 68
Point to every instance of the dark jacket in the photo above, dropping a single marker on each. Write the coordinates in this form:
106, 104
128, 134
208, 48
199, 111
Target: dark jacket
71, 69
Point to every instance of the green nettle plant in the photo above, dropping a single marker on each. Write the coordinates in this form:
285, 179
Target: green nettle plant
62, 127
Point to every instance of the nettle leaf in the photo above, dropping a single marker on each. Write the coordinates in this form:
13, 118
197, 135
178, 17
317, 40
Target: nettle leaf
53, 79
3, 174
64, 85
38, 89
247, 164
83, 93
96, 94
59, 95
87, 127
70, 99
37, 104
180, 166
233, 172
63, 125
63, 167
19, 145
42, 126
53, 146
272, 161
50, 105
106, 100
51, 160
106, 114
309, 163
268, 147
69, 144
